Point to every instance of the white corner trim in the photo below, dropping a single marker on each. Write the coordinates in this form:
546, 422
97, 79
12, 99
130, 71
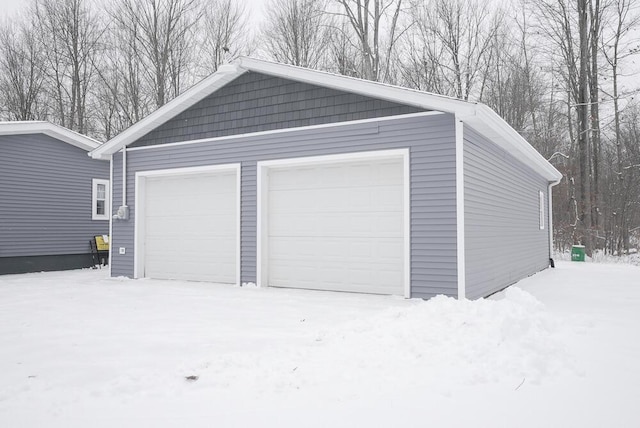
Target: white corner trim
460, 233
263, 167
262, 250
542, 209
407, 222
140, 184
139, 218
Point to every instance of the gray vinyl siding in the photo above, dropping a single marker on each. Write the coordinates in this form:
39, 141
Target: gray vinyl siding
45, 197
256, 102
503, 240
430, 139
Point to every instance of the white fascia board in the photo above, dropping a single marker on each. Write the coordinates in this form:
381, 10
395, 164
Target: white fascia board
488, 123
368, 88
196, 93
50, 129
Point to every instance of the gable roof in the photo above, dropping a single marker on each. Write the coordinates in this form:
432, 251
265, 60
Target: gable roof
50, 129
479, 116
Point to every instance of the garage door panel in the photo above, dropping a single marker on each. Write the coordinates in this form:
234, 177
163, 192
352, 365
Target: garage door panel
336, 224
368, 250
383, 198
204, 225
191, 227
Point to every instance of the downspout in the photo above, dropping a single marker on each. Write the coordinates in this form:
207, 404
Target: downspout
110, 209
550, 215
123, 210
124, 176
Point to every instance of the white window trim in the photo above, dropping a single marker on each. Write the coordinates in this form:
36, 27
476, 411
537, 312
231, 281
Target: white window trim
541, 207
94, 197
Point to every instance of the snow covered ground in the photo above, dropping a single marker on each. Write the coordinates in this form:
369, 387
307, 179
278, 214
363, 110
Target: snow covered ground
560, 349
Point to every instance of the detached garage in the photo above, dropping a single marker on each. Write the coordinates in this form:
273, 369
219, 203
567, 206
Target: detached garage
289, 177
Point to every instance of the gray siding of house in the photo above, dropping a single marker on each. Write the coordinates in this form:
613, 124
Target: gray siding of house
503, 240
45, 197
255, 102
430, 139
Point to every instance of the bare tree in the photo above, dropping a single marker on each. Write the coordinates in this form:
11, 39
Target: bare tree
620, 197
616, 48
69, 34
297, 32
343, 54
122, 95
421, 58
224, 25
458, 36
568, 27
21, 77
162, 31
376, 27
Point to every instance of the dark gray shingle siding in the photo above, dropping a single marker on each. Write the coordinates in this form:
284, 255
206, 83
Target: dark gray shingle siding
255, 102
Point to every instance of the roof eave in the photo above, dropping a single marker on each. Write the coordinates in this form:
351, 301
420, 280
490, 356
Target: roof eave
52, 130
492, 126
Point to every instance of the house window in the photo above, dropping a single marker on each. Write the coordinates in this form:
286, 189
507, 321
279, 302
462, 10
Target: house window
541, 195
100, 200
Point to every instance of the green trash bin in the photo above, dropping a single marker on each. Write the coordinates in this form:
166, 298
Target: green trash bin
577, 253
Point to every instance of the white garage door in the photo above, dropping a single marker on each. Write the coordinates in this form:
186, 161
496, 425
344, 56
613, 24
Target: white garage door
337, 226
191, 227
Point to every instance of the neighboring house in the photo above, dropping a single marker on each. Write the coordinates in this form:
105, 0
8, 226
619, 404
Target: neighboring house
53, 197
291, 177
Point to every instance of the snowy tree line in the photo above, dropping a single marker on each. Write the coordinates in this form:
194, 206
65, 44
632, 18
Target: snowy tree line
561, 72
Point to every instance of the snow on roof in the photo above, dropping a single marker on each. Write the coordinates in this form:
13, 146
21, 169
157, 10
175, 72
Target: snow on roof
50, 129
478, 116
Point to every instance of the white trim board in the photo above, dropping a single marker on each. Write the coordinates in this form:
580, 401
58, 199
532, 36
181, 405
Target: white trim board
263, 167
139, 227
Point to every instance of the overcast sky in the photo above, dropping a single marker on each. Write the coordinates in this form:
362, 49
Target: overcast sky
8, 7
